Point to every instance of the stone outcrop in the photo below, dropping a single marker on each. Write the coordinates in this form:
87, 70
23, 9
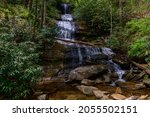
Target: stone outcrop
86, 72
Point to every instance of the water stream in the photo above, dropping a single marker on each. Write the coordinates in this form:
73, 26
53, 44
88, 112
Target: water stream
77, 54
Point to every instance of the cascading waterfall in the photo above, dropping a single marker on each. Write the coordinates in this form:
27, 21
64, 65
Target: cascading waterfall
67, 31
116, 67
78, 53
67, 27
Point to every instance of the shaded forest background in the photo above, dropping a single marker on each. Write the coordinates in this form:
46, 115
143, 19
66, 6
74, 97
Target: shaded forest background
26, 25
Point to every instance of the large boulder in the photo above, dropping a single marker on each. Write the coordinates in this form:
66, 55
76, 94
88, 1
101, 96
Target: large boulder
86, 72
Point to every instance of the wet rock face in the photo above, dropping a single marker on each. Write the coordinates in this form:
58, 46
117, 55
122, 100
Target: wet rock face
83, 55
86, 72
52, 59
53, 53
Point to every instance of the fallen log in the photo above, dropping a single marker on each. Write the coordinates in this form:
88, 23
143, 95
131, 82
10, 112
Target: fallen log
141, 67
78, 42
138, 77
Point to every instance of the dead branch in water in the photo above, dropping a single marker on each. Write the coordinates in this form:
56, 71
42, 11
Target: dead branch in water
141, 67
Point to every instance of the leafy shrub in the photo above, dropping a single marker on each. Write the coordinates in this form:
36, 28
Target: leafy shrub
135, 38
96, 13
138, 31
18, 71
138, 27
19, 58
140, 48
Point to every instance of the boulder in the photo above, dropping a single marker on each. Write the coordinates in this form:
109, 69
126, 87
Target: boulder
107, 78
87, 90
88, 82
42, 97
99, 81
100, 94
143, 97
86, 72
133, 98
105, 97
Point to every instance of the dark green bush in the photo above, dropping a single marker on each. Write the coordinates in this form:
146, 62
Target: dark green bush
18, 71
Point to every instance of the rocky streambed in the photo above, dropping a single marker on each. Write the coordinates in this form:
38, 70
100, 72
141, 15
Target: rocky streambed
79, 70
90, 83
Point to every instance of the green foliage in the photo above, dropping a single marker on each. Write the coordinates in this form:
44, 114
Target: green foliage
134, 38
46, 36
96, 13
140, 48
21, 41
139, 27
18, 71
138, 31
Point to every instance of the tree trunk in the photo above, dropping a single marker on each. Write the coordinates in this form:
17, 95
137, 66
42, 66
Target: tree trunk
111, 20
120, 13
35, 18
30, 4
43, 13
26, 3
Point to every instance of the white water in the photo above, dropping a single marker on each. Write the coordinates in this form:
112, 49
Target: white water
67, 27
117, 68
67, 31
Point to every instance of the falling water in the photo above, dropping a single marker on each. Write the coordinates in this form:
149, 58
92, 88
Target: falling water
65, 8
67, 32
77, 53
116, 67
67, 27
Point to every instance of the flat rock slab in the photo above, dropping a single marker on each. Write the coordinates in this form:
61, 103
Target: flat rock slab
133, 98
131, 85
118, 96
42, 97
49, 86
100, 94
88, 82
87, 90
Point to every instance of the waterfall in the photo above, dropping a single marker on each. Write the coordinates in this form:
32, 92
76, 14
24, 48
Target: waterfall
116, 67
76, 54
67, 30
67, 27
